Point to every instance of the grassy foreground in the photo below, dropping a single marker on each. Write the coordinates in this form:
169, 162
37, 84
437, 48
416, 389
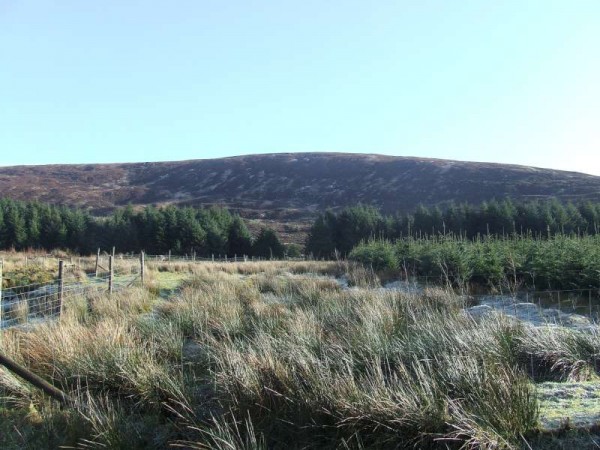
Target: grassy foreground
272, 355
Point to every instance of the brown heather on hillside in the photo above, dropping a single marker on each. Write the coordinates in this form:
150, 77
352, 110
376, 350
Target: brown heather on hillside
289, 188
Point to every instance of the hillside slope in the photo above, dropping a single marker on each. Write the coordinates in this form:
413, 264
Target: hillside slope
290, 186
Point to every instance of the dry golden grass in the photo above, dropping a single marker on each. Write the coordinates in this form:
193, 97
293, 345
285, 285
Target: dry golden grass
246, 355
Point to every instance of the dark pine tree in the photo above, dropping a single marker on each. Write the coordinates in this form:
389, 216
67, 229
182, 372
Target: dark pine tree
268, 245
239, 241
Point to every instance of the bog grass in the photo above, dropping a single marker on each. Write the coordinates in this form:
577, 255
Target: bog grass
278, 355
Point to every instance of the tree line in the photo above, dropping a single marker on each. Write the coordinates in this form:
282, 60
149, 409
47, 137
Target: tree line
340, 232
206, 231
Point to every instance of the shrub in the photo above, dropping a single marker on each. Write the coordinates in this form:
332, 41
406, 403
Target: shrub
379, 254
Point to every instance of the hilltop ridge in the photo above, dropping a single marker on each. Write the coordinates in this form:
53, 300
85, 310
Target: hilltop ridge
293, 187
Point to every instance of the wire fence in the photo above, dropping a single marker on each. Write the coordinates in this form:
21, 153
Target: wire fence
541, 306
195, 258
35, 301
23, 303
576, 308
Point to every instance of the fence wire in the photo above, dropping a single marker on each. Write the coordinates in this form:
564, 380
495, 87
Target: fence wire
35, 302
30, 302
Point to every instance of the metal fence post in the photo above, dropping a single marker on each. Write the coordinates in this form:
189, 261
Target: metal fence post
110, 274
142, 267
61, 286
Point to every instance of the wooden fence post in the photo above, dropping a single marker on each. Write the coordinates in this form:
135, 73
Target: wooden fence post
110, 274
97, 262
142, 267
32, 378
113, 252
169, 256
61, 286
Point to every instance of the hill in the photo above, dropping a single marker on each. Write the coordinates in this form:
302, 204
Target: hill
291, 187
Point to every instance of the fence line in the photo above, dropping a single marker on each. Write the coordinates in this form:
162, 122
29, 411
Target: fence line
40, 300
576, 301
31, 302
193, 257
44, 300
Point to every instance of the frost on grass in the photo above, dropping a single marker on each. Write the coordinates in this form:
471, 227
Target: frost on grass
572, 405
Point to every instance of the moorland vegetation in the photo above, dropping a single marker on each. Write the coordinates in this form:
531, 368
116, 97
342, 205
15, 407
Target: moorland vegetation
278, 354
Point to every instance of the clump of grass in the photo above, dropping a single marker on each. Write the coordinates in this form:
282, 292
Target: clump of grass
24, 279
304, 288
109, 425
560, 354
371, 364
358, 275
130, 302
224, 433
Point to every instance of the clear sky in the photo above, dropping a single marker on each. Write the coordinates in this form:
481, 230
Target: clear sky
125, 80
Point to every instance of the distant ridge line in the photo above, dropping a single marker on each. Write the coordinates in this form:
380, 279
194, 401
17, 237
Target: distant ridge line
291, 186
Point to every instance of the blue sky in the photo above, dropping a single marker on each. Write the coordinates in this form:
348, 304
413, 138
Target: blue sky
119, 80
